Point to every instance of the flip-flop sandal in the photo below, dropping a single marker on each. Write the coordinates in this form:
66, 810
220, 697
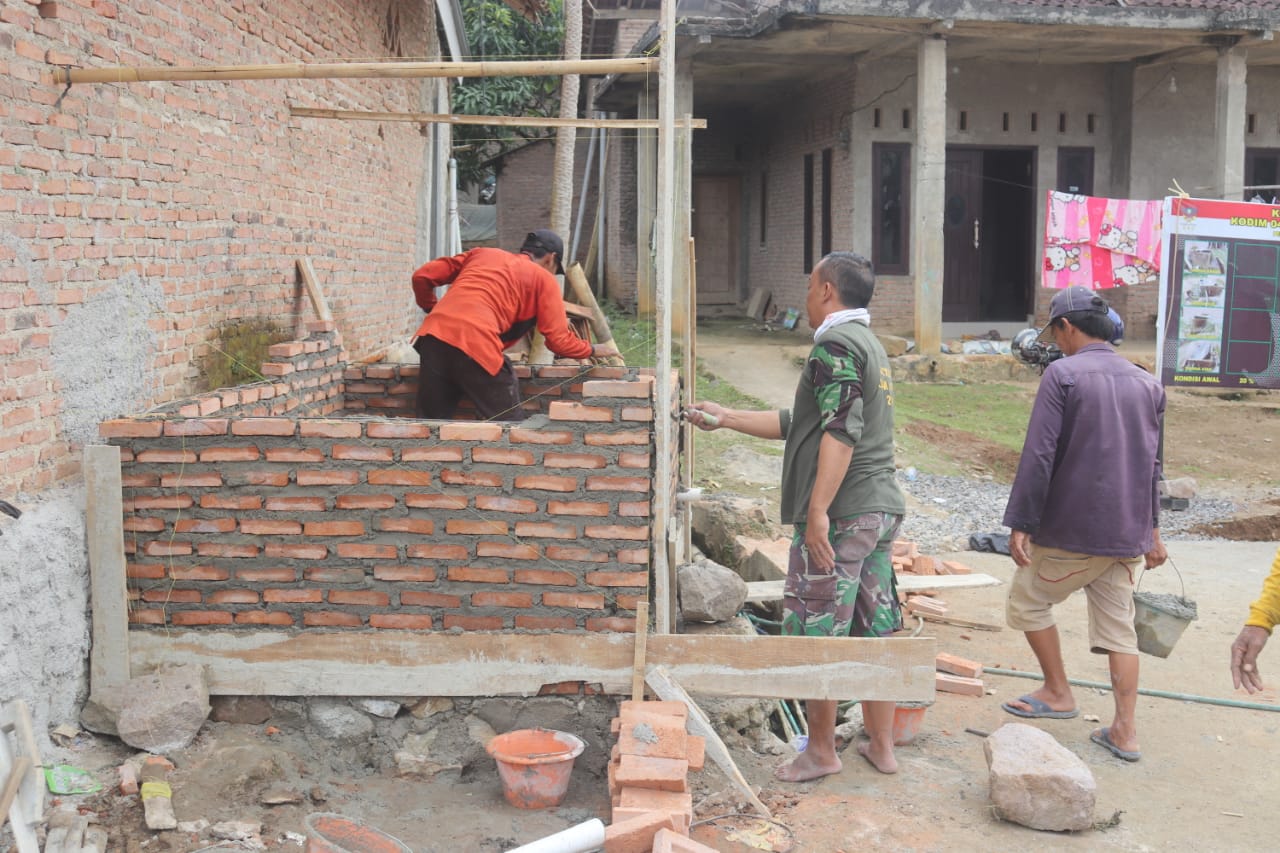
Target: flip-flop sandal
1039, 710
1102, 737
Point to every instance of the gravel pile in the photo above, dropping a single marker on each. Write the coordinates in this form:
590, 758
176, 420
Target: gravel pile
942, 512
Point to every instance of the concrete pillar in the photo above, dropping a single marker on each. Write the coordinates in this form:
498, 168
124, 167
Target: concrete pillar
681, 206
929, 180
646, 192
1229, 127
1120, 116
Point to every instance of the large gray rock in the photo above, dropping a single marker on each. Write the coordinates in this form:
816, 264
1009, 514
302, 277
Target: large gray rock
709, 592
1037, 782
336, 720
241, 710
1182, 487
100, 713
164, 710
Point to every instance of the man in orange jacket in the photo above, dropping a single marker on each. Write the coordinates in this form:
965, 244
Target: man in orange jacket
495, 297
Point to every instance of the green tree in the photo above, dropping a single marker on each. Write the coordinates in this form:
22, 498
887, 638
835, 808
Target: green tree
496, 32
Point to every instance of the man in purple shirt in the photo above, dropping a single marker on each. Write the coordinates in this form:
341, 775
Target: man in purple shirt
1084, 510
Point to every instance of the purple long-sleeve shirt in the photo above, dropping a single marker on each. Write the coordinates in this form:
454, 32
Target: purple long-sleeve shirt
1087, 479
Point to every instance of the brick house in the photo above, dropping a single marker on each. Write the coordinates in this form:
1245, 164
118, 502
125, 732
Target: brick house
927, 134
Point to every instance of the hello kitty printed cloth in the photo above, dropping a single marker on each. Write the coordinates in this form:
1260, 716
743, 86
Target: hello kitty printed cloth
1100, 242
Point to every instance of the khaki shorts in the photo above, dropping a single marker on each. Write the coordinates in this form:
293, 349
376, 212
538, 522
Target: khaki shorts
1054, 574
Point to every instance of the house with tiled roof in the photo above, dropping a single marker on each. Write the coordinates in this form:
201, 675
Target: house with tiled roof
926, 134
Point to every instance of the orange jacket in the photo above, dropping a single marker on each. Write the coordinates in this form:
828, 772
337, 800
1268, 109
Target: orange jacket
494, 299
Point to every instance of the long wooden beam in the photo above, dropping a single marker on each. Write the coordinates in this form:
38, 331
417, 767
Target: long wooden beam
403, 663
317, 71
493, 121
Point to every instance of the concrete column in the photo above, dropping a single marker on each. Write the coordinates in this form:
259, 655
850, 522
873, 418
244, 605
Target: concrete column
1228, 161
646, 191
929, 181
681, 205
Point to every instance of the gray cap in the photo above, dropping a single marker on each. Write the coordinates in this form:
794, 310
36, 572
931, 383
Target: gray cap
1070, 301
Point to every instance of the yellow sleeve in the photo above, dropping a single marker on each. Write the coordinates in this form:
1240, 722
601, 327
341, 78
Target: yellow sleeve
1265, 612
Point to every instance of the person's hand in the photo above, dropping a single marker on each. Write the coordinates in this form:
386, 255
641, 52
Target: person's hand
1157, 555
1244, 658
1020, 547
822, 557
608, 349
706, 416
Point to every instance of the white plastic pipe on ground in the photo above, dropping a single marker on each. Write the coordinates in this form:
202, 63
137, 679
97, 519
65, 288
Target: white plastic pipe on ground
582, 838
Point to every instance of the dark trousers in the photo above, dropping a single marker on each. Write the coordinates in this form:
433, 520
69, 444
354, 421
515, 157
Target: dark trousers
447, 373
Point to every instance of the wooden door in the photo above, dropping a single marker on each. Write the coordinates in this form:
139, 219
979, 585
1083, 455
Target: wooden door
962, 237
717, 220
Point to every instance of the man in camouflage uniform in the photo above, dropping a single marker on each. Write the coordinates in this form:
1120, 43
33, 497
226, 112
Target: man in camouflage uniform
846, 506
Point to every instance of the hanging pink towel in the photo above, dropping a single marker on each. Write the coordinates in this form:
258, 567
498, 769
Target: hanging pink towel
1099, 242
1130, 233
1068, 256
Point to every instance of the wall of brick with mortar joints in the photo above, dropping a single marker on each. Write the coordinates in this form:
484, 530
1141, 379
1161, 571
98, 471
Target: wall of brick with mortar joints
265, 513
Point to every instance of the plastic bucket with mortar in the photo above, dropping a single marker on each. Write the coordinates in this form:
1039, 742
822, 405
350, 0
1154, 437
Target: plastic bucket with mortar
908, 719
1161, 619
535, 765
334, 833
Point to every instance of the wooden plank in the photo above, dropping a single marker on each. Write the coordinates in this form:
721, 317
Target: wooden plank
26, 810
483, 120
104, 523
355, 70
638, 663
21, 765
668, 689
313, 289
402, 663
760, 591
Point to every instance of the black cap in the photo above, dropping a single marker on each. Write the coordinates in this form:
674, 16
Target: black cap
545, 240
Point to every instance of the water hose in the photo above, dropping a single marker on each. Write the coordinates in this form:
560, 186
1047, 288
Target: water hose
1145, 691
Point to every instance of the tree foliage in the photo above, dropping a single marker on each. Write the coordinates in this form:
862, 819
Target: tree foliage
496, 32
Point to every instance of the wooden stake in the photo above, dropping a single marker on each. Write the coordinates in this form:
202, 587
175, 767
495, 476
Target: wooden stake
313, 289
642, 634
323, 71
581, 288
487, 121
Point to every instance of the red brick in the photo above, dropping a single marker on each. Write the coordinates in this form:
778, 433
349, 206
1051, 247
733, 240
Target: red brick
437, 552
263, 617
506, 551
617, 484
577, 600
573, 460
561, 410
146, 524
636, 834
582, 555
267, 478
359, 597
945, 683
545, 530
330, 477
546, 623
642, 389
472, 527
201, 617
616, 439
633, 509
232, 596
165, 456
400, 621
230, 454
199, 573
166, 548
314, 428
637, 413
334, 528
146, 617
222, 501
421, 501
191, 480
478, 575
416, 574
418, 598
399, 477
296, 552
366, 551
297, 504
546, 577
264, 426
497, 503
537, 436
320, 574
196, 426
204, 525
951, 567
634, 460
293, 596
162, 502
956, 665
304, 455
286, 350
545, 483
175, 596
139, 481
276, 575
270, 527
364, 501
419, 526
361, 453
672, 841
631, 579
473, 623
653, 735
501, 456
431, 454
470, 432
923, 565
677, 803
577, 508
662, 774
397, 430
129, 428
329, 618
501, 599
475, 478
616, 531
618, 624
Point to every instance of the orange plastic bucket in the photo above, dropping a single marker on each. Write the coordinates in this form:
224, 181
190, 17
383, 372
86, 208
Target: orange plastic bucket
333, 833
535, 765
908, 719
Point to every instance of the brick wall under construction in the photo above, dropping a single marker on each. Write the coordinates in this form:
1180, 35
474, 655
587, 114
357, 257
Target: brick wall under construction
304, 501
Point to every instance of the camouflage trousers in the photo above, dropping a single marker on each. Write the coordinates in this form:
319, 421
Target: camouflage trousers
858, 599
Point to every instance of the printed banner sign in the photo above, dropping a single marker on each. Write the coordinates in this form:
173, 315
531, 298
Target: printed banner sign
1219, 308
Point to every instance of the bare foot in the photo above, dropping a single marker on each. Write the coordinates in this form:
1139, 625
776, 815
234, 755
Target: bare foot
885, 763
804, 767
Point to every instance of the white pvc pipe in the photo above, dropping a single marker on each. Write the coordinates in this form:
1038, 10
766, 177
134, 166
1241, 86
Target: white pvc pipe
582, 838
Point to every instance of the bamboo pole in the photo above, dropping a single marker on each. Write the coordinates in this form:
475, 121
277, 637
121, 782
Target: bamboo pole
299, 71
487, 121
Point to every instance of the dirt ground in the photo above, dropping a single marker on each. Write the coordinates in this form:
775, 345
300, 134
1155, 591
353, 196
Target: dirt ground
1207, 779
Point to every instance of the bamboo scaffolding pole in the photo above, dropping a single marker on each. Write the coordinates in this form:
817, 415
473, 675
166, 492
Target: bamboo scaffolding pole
317, 71
493, 121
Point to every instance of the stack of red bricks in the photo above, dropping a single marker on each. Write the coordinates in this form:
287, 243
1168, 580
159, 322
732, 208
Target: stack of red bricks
649, 780
907, 559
